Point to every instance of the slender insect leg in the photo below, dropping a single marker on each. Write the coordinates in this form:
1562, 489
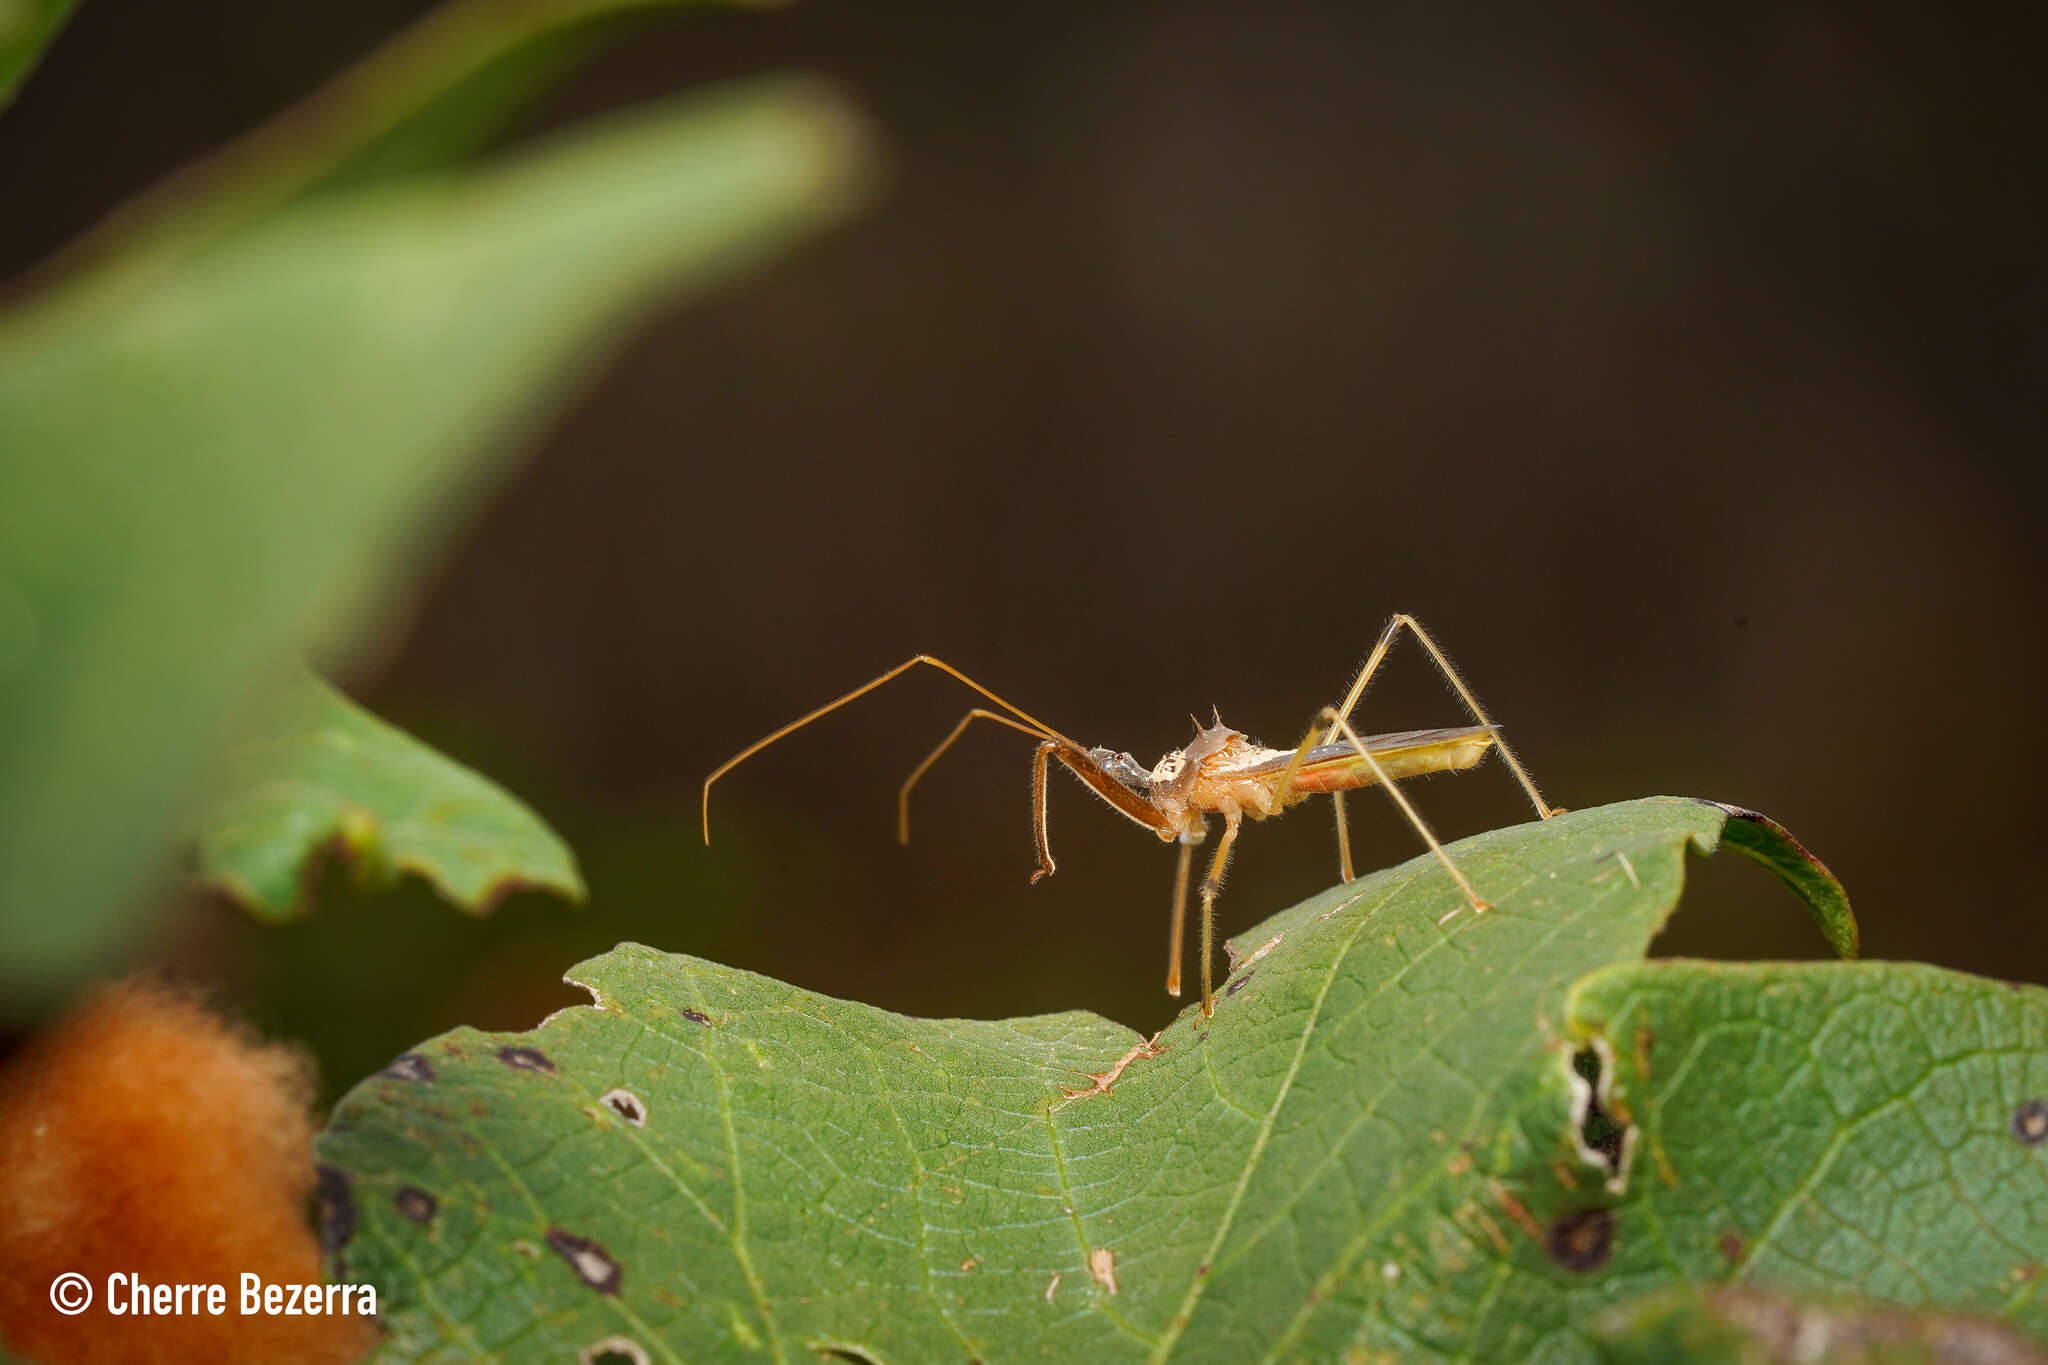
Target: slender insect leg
1129, 803
1285, 789
1038, 831
1343, 839
1212, 887
1180, 916
1339, 723
1478, 713
1126, 802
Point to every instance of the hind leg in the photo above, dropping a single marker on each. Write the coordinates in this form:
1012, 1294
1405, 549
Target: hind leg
1395, 625
1340, 724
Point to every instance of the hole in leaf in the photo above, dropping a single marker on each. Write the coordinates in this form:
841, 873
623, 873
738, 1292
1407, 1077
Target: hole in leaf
1597, 1129
626, 1105
1603, 1140
409, 1066
616, 1350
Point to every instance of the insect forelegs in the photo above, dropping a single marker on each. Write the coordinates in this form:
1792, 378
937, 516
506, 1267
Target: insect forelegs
1180, 913
1212, 887
1046, 866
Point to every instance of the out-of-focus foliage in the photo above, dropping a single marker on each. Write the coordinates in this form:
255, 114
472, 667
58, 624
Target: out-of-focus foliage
434, 93
236, 444
26, 28
331, 776
1383, 1144
1758, 1327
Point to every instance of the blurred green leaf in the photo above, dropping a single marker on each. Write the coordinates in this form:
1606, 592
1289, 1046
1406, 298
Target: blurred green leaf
250, 452
332, 777
1756, 1327
1376, 1150
27, 28
432, 94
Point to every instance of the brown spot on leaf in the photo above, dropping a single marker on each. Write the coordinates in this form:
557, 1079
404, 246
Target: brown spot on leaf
1581, 1241
525, 1059
409, 1066
697, 1017
1731, 1245
591, 1262
1234, 987
337, 1209
2030, 1122
415, 1204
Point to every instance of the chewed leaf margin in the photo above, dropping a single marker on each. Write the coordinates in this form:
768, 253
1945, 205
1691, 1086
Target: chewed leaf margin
1763, 840
329, 777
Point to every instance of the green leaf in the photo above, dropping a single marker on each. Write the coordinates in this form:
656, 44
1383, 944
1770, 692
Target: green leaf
1765, 841
1757, 1327
437, 91
1374, 1148
27, 28
331, 775
1873, 1129
212, 469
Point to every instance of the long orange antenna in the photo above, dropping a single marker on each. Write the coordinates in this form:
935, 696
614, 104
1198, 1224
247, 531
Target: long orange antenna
758, 745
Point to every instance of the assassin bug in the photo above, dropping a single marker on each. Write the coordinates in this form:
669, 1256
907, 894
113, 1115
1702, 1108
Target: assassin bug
1220, 772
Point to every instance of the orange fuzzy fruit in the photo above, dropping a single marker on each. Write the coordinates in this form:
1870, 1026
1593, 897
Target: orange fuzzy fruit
145, 1135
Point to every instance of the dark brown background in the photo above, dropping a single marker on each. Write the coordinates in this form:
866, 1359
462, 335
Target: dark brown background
1684, 376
